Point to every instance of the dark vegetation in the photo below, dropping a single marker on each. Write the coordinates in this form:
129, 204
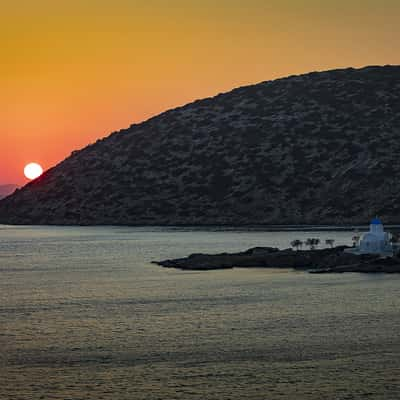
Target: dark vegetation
321, 148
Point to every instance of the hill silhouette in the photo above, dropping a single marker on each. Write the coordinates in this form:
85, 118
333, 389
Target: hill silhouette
320, 148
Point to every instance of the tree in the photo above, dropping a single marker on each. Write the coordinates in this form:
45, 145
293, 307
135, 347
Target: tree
312, 243
395, 242
296, 244
330, 242
355, 239
394, 237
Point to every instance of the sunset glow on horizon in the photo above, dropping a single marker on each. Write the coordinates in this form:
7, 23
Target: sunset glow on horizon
75, 71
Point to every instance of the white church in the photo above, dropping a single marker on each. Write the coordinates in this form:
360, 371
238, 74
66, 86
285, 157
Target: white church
375, 241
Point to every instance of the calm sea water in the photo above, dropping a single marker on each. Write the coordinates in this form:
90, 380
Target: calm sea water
84, 315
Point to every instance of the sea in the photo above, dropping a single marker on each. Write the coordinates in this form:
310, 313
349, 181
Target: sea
84, 314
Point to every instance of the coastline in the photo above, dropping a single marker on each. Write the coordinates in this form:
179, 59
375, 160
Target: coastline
227, 227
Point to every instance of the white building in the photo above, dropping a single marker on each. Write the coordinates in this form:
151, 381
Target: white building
376, 241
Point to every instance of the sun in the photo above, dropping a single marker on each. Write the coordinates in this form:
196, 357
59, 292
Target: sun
33, 170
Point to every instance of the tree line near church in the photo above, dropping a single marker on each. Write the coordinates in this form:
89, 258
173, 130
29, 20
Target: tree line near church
311, 243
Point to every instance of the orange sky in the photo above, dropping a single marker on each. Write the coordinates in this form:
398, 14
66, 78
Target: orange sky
73, 71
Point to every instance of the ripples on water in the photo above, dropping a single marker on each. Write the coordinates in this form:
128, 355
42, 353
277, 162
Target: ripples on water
84, 315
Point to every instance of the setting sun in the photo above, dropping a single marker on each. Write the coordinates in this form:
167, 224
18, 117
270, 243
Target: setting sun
33, 170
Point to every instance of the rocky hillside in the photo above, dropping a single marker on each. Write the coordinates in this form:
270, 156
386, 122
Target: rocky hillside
316, 148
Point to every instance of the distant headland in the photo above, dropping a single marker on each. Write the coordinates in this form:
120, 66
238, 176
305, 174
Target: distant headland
374, 251
6, 190
320, 148
327, 260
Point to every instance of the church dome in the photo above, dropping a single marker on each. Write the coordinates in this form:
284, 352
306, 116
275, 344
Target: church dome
376, 221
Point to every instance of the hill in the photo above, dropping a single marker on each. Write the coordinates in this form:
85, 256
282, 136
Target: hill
310, 149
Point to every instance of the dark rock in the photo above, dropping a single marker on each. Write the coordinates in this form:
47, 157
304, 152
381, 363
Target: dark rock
315, 261
368, 265
250, 258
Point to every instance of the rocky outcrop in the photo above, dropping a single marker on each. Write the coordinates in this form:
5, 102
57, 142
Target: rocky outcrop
372, 265
315, 261
251, 258
320, 148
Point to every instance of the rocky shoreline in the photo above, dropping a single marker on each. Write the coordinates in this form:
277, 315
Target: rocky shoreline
329, 260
